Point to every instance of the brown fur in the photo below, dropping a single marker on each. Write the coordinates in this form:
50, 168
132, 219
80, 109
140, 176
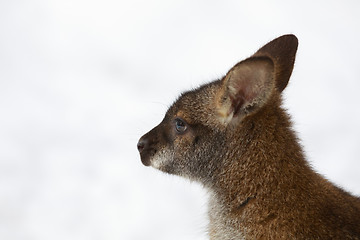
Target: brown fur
234, 137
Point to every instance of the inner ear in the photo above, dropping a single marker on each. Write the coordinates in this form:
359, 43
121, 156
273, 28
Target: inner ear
247, 86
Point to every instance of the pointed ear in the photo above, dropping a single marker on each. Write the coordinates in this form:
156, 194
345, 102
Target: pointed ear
249, 84
281, 51
245, 88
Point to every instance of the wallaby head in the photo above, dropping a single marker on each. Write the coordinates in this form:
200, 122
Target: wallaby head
198, 130
233, 136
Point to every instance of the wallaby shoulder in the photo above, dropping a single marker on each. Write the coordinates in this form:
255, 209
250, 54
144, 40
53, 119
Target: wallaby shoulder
273, 193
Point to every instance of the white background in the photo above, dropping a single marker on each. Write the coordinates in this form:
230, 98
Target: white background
81, 81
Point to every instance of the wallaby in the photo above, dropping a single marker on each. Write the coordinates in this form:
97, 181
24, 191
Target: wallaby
234, 137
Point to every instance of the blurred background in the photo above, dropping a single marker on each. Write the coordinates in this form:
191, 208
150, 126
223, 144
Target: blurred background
82, 81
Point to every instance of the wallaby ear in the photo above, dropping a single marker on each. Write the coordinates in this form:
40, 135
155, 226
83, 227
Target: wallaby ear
281, 51
248, 85
245, 87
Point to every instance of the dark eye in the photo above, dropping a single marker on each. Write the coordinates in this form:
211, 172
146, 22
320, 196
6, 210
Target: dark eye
180, 125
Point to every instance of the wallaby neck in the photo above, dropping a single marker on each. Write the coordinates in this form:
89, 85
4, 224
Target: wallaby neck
269, 183
268, 163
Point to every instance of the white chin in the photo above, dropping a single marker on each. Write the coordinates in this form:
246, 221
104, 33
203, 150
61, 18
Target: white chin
160, 159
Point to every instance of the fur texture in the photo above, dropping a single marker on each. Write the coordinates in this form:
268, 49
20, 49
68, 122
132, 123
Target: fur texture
233, 136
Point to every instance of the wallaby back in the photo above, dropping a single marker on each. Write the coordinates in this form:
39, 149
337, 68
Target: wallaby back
233, 136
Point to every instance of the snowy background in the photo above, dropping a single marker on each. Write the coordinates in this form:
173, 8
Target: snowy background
81, 81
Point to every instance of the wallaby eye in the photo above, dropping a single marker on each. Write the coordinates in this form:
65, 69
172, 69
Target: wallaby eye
180, 125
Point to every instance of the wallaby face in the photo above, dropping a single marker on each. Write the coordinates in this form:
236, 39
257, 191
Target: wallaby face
180, 143
183, 143
233, 136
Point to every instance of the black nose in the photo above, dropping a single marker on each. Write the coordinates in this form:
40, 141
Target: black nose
142, 144
144, 150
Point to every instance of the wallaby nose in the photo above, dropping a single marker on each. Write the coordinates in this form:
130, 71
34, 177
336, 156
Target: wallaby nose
143, 147
142, 144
